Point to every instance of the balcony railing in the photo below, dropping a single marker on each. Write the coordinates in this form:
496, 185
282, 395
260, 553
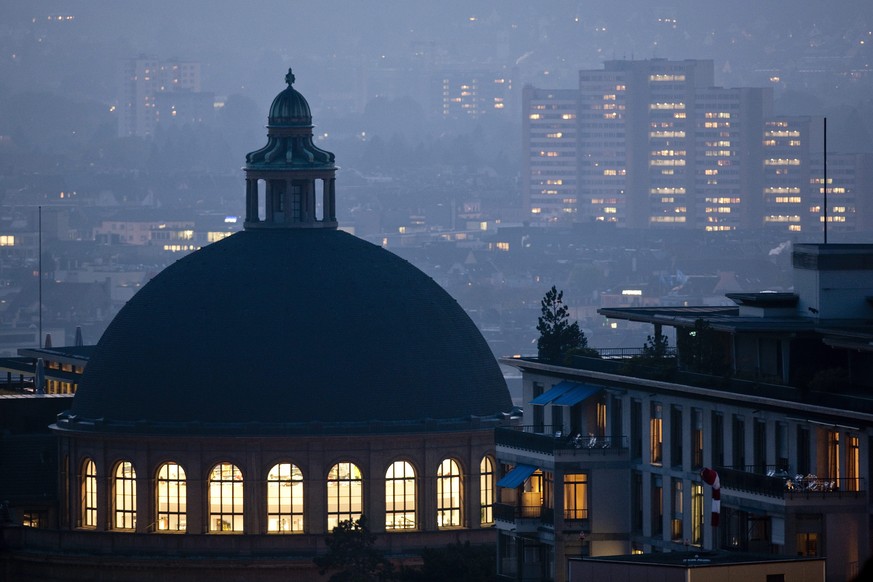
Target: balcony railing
545, 440
511, 513
779, 482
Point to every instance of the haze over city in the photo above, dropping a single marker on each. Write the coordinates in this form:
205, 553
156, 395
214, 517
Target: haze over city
419, 290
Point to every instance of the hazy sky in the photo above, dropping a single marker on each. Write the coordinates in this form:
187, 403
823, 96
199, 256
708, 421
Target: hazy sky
239, 42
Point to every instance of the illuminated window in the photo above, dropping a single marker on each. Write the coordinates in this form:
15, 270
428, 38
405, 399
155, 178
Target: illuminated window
125, 496
853, 463
285, 499
345, 494
697, 514
225, 498
172, 499
449, 494
7, 240
486, 491
576, 496
656, 435
89, 494
400, 496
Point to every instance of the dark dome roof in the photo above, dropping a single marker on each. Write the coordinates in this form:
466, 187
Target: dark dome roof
290, 107
288, 326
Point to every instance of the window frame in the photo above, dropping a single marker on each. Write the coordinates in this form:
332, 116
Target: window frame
227, 481
124, 496
401, 497
449, 488
285, 488
177, 485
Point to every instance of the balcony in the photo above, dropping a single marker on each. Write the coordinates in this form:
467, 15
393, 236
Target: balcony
556, 443
524, 518
778, 483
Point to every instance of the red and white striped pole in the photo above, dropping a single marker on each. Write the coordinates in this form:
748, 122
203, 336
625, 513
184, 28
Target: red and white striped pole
710, 477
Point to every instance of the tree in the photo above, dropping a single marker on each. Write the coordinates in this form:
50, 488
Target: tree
351, 551
558, 337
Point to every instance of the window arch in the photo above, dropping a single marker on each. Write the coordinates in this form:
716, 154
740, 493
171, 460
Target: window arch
172, 498
345, 494
124, 482
486, 491
284, 499
449, 483
88, 493
400, 496
225, 498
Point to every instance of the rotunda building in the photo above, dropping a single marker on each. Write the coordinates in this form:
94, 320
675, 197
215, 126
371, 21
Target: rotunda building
268, 386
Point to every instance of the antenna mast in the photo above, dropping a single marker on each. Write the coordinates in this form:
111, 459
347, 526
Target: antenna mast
825, 180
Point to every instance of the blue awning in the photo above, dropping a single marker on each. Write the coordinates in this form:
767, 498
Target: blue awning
517, 476
577, 394
554, 392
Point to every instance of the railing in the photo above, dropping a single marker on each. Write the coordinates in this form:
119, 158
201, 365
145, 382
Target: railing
776, 481
627, 353
507, 512
575, 514
544, 440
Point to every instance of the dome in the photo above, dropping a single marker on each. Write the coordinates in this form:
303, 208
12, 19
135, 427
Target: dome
290, 107
290, 326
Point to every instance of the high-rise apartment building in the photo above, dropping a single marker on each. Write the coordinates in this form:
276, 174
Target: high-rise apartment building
550, 167
657, 145
142, 80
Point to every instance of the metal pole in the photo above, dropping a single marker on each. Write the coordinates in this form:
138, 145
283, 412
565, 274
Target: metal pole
39, 268
825, 178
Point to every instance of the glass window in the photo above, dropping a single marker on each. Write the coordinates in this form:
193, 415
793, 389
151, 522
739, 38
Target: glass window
657, 505
697, 513
225, 499
125, 496
172, 498
486, 491
89, 494
576, 496
449, 494
853, 463
696, 438
285, 499
400, 496
345, 494
656, 434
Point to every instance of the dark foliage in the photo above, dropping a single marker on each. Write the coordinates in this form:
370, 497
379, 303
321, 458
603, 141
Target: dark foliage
558, 337
352, 554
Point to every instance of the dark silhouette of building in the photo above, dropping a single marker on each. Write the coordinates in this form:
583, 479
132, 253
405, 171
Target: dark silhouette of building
260, 390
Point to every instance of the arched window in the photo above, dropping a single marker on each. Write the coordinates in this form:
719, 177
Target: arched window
344, 494
449, 494
486, 491
400, 496
172, 502
225, 498
125, 496
88, 492
284, 499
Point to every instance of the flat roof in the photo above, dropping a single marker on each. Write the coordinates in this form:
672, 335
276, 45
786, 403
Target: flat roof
695, 559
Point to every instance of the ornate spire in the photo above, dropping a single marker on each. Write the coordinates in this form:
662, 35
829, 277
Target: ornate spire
297, 176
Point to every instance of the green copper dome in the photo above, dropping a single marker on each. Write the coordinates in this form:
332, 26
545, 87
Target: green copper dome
289, 137
290, 107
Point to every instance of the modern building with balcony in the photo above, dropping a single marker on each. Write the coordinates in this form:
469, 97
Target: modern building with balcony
774, 393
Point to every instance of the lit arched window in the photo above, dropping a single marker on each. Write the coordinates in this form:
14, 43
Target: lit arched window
400, 496
449, 494
486, 491
89, 494
225, 498
344, 494
125, 496
284, 499
172, 498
